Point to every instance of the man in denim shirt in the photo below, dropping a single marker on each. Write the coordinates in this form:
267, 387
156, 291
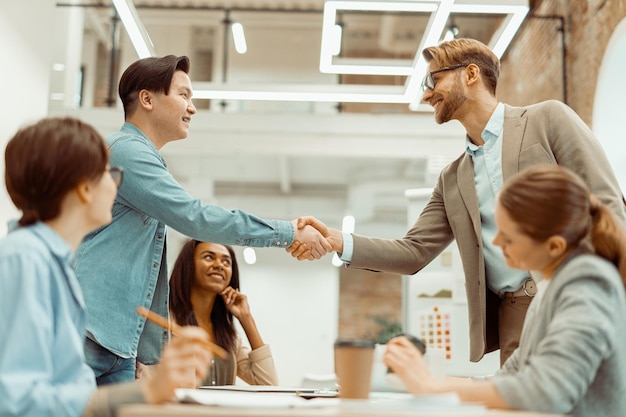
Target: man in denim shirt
123, 265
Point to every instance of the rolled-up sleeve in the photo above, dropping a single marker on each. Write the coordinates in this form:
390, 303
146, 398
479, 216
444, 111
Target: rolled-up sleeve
149, 188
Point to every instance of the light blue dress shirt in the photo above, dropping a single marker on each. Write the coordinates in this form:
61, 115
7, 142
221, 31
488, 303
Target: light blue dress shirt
42, 363
123, 265
488, 179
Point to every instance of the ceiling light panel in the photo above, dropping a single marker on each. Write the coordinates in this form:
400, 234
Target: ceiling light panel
355, 65
511, 13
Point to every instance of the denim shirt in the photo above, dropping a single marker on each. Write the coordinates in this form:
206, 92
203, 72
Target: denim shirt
42, 361
123, 265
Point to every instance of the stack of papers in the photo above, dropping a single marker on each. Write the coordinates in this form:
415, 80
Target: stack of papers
259, 388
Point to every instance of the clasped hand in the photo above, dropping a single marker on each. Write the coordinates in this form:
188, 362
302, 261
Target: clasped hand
313, 239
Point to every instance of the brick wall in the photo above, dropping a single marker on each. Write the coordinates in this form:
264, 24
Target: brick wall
532, 67
367, 299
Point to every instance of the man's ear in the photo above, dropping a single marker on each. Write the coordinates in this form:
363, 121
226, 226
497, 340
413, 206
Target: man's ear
145, 99
84, 191
556, 246
473, 74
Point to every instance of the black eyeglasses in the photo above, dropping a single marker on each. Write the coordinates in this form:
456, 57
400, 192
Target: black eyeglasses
117, 173
429, 82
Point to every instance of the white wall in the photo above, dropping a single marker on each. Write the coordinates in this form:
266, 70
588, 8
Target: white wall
609, 113
296, 304
25, 49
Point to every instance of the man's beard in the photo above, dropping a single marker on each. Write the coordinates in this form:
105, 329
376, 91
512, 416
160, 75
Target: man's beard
449, 106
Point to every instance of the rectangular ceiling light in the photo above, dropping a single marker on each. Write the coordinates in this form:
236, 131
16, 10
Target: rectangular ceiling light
355, 65
410, 93
342, 93
515, 12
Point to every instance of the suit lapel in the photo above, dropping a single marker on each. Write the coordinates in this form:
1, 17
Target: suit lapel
467, 189
512, 136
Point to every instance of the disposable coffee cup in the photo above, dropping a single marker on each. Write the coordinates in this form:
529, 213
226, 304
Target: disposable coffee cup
417, 342
353, 367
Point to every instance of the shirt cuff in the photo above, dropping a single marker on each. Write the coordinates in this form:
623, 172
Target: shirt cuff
106, 400
348, 245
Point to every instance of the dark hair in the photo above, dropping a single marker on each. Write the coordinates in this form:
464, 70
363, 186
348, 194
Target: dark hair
44, 161
181, 282
549, 200
152, 74
467, 51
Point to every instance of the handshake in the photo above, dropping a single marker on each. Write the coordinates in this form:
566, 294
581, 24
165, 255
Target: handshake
313, 239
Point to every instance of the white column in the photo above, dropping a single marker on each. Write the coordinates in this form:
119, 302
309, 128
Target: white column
66, 48
25, 45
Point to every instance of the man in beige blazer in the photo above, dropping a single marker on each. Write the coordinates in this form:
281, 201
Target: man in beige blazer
501, 140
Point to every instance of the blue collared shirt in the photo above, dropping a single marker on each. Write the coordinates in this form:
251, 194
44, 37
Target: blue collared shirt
488, 180
42, 362
123, 265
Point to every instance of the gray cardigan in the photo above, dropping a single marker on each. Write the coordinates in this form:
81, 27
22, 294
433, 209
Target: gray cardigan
572, 354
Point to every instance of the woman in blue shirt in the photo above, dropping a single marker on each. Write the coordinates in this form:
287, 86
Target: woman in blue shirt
57, 174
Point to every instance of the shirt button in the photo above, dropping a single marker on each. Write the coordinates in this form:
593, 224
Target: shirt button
285, 243
154, 265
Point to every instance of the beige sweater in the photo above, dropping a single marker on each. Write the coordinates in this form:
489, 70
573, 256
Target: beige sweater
255, 367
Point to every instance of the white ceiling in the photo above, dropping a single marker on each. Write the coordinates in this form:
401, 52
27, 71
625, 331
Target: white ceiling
284, 159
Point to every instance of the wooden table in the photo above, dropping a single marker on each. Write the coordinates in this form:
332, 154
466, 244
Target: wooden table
192, 410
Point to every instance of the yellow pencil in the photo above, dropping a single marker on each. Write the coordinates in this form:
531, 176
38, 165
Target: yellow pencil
175, 329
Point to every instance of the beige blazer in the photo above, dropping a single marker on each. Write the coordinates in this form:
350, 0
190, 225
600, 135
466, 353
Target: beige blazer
548, 132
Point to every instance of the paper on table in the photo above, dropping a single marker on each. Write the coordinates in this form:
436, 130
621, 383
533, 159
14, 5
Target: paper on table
259, 388
223, 398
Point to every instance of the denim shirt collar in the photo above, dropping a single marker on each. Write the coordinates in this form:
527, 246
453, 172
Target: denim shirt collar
131, 129
57, 245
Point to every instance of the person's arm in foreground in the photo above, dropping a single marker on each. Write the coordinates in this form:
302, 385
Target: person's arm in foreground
184, 364
407, 362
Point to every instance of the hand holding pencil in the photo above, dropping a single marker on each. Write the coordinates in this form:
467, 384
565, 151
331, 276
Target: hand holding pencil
184, 363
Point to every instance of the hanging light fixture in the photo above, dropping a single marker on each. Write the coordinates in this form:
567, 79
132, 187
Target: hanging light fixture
239, 38
249, 256
451, 31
